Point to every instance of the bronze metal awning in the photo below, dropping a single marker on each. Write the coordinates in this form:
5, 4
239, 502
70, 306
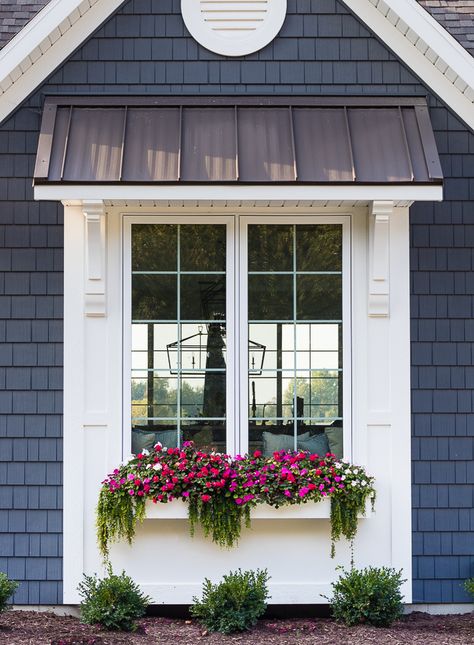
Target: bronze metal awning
272, 140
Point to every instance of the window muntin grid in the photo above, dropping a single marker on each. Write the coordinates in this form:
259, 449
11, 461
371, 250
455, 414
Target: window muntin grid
295, 311
178, 317
238, 341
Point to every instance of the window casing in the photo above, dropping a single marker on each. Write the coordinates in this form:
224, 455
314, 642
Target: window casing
278, 370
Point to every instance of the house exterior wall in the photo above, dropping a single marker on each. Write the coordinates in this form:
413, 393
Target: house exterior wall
322, 49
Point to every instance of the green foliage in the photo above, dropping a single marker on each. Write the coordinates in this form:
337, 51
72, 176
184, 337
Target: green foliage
469, 586
368, 595
344, 512
222, 520
117, 517
7, 588
220, 491
233, 605
115, 602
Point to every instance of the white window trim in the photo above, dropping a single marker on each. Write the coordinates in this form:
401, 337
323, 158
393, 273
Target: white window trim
93, 412
237, 318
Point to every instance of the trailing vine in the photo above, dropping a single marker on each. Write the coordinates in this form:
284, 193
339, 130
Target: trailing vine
220, 492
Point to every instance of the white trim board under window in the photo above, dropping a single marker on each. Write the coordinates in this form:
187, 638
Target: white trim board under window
237, 386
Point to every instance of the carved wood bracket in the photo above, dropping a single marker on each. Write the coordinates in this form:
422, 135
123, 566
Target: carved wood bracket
94, 278
379, 259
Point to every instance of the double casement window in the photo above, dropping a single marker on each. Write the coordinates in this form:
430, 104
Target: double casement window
237, 333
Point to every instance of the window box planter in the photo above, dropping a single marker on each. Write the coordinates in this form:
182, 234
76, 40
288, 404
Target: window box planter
178, 510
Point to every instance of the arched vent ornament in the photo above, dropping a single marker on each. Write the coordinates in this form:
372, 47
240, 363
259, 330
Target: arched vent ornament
233, 27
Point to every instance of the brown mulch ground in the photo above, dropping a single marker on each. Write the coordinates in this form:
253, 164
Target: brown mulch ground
40, 628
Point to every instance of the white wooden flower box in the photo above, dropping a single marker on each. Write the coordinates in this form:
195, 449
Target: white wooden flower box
178, 510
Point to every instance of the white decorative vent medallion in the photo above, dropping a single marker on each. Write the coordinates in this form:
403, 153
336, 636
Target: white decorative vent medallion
233, 27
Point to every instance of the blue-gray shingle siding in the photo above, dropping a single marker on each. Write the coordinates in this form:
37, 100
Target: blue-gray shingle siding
322, 49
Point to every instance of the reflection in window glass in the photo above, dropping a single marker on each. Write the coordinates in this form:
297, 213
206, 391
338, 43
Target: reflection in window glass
295, 395
178, 369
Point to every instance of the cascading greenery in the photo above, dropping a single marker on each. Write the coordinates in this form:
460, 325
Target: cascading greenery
221, 519
220, 492
345, 510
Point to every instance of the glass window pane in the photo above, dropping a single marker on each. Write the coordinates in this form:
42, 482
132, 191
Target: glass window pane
207, 435
146, 437
271, 346
319, 248
203, 297
203, 247
154, 297
318, 392
270, 297
154, 247
154, 396
271, 395
150, 347
270, 247
204, 396
319, 297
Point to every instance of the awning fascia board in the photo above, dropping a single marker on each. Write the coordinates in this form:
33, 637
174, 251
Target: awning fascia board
232, 192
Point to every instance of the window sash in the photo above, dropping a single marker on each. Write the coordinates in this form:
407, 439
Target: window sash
237, 411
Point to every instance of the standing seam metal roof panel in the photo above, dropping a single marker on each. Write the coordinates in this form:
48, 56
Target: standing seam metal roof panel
373, 142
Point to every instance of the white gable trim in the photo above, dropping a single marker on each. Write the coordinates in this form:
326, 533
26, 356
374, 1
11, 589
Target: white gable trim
406, 28
44, 43
424, 46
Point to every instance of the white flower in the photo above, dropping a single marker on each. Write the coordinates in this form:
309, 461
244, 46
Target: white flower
356, 471
363, 483
343, 477
337, 465
129, 459
157, 466
354, 483
148, 466
145, 452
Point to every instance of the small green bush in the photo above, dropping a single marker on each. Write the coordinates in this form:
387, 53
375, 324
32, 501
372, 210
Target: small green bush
469, 586
233, 605
7, 589
115, 602
368, 595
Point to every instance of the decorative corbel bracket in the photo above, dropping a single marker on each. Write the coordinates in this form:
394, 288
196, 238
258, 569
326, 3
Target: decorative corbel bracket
379, 259
94, 278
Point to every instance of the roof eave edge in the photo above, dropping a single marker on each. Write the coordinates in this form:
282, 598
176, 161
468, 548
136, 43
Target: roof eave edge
44, 43
425, 47
230, 192
403, 25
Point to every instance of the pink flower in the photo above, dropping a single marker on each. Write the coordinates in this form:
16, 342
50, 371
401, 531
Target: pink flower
239, 501
186, 493
287, 493
205, 498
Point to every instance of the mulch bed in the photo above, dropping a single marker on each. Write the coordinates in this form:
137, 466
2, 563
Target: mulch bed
41, 628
